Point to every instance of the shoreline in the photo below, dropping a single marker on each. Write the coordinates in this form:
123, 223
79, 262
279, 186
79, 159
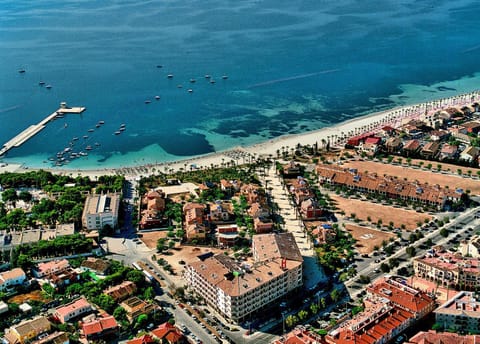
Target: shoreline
335, 135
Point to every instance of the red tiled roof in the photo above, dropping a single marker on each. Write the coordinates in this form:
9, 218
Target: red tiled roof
169, 332
142, 340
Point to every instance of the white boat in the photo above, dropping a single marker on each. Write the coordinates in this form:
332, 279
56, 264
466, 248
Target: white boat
157, 97
170, 76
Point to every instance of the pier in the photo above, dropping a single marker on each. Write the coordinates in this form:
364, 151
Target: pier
34, 129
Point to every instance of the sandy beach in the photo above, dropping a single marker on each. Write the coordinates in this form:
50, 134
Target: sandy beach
336, 135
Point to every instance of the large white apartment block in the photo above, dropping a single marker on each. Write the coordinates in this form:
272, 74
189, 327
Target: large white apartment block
237, 290
461, 312
101, 210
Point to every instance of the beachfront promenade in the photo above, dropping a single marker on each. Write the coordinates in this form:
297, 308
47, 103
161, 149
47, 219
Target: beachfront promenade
34, 129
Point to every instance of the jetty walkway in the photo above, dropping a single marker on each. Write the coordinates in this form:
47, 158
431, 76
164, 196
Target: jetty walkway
34, 129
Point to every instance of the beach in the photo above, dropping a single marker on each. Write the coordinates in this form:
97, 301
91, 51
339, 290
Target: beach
335, 135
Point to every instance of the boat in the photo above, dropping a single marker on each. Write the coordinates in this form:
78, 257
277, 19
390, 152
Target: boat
148, 101
91, 130
190, 90
65, 125
159, 66
225, 77
85, 137
122, 125
157, 97
97, 125
170, 76
101, 122
75, 139
179, 86
118, 132
41, 83
48, 86
97, 144
122, 129
51, 159
21, 71
88, 148
207, 76
192, 81
212, 81
82, 153
68, 149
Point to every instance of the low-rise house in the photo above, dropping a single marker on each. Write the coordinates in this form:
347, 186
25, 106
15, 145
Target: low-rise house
262, 225
292, 169
470, 248
411, 147
195, 231
252, 193
258, 210
168, 333
99, 328
219, 212
154, 204
469, 154
324, 234
434, 337
431, 149
63, 278
227, 235
27, 330
135, 306
96, 265
72, 310
311, 210
145, 339
195, 228
57, 337
461, 312
413, 131
300, 335
121, 291
448, 151
3, 307
47, 268
230, 186
472, 127
439, 135
387, 130
12, 278
393, 144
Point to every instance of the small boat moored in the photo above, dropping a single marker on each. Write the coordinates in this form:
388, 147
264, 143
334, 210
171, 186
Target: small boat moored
157, 97
170, 76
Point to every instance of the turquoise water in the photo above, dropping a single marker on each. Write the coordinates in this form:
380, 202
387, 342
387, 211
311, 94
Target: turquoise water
291, 67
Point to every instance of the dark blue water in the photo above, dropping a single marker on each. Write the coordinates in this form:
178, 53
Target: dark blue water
291, 66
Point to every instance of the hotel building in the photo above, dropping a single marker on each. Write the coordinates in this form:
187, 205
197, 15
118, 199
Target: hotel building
101, 210
239, 290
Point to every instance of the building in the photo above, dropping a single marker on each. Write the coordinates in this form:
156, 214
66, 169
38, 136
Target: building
461, 312
391, 307
431, 149
121, 291
154, 204
448, 269
96, 265
433, 337
393, 144
3, 307
262, 225
324, 234
219, 212
388, 186
100, 327
292, 169
135, 306
469, 154
168, 333
72, 310
47, 268
411, 147
239, 290
472, 127
145, 339
61, 279
27, 330
100, 211
227, 235
470, 248
57, 337
300, 335
448, 151
194, 221
12, 278
311, 210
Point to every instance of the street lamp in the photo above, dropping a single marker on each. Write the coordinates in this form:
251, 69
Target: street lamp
283, 322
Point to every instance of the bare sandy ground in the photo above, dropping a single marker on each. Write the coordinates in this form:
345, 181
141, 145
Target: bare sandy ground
375, 211
367, 238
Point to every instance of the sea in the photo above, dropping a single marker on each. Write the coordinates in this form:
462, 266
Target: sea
242, 72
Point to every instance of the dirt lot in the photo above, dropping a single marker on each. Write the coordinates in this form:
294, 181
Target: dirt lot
367, 238
376, 211
453, 181
150, 238
34, 295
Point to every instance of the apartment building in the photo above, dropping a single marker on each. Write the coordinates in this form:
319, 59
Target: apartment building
434, 337
461, 312
101, 210
388, 186
239, 290
47, 268
448, 269
391, 306
121, 291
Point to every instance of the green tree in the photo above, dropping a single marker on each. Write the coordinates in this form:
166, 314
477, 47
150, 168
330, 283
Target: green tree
335, 295
291, 321
384, 267
314, 308
410, 250
302, 315
444, 232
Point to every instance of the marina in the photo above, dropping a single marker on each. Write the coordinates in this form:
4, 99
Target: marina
34, 129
